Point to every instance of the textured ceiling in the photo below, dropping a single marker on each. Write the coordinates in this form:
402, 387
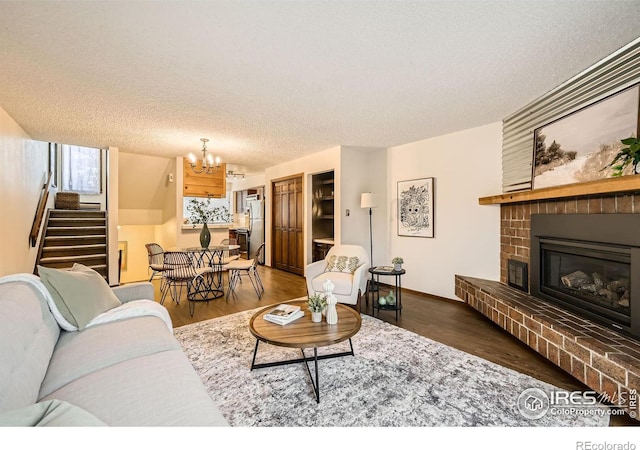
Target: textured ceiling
270, 81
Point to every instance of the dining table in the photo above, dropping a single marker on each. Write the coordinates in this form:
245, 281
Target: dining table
211, 286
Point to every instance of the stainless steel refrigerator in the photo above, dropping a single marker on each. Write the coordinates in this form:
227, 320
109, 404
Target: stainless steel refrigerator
255, 210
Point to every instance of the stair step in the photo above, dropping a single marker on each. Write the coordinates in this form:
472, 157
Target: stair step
75, 247
73, 250
76, 222
76, 213
87, 239
72, 259
76, 231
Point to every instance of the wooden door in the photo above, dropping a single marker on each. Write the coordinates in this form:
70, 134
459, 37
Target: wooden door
288, 225
280, 227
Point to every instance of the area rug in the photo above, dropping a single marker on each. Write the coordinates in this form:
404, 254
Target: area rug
396, 379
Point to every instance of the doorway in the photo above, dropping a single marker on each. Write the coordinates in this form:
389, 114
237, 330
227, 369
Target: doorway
288, 224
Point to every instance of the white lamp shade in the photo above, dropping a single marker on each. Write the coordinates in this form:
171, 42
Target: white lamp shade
367, 200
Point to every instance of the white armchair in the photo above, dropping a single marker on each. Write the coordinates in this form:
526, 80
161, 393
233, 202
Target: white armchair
349, 287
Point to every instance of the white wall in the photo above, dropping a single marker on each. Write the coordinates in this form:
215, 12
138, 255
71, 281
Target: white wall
166, 233
23, 171
466, 165
138, 227
364, 170
247, 183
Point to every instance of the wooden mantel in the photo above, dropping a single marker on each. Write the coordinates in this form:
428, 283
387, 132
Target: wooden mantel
629, 183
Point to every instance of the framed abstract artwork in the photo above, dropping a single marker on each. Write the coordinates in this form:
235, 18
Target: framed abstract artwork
579, 147
415, 208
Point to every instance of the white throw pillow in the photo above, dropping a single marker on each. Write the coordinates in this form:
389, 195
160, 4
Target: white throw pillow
80, 294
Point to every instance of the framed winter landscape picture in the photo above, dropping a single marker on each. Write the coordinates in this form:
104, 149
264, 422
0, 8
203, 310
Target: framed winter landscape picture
579, 147
415, 208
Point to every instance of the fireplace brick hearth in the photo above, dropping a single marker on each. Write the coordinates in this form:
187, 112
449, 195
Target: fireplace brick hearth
602, 359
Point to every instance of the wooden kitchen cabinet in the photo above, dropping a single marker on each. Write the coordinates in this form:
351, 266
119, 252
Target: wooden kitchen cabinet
241, 199
204, 185
240, 202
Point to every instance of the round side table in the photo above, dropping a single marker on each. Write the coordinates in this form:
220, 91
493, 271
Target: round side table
376, 273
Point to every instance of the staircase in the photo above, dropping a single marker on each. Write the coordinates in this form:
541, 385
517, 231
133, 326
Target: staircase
74, 236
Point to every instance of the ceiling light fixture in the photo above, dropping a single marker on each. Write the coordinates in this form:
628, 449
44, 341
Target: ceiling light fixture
231, 175
209, 163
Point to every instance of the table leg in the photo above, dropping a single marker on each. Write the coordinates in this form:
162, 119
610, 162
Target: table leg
372, 294
375, 293
255, 352
397, 296
315, 382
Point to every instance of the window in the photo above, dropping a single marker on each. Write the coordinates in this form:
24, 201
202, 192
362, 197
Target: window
209, 210
81, 169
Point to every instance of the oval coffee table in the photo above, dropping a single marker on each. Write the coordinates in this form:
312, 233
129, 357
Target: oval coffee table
303, 333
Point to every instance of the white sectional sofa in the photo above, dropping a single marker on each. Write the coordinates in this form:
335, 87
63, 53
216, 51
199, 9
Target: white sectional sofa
126, 372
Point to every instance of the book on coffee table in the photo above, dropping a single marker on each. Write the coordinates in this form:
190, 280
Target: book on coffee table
281, 320
283, 311
283, 314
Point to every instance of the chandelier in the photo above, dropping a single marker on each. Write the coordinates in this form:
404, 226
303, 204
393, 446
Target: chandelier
209, 163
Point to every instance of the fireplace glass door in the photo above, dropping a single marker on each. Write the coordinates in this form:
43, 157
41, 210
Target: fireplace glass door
589, 277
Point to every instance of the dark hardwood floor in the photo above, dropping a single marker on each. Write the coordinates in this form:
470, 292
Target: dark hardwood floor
447, 321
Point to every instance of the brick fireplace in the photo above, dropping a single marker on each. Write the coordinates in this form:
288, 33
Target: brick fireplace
603, 359
515, 223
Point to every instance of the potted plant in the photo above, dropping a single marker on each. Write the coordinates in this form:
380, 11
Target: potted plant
316, 303
627, 155
397, 263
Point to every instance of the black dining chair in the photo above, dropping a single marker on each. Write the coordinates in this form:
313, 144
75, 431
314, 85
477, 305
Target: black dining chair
245, 267
180, 272
230, 255
155, 255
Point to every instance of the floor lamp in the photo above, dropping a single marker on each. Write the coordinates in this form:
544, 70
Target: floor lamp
367, 201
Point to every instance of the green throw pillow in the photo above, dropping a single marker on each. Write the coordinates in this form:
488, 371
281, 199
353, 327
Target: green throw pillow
80, 293
347, 264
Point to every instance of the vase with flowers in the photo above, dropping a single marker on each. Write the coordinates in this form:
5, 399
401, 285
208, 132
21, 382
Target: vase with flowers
397, 263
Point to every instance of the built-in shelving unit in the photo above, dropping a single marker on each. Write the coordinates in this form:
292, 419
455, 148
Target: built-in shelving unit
323, 213
630, 183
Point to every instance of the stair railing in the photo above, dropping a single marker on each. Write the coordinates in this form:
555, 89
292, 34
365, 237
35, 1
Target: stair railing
42, 205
